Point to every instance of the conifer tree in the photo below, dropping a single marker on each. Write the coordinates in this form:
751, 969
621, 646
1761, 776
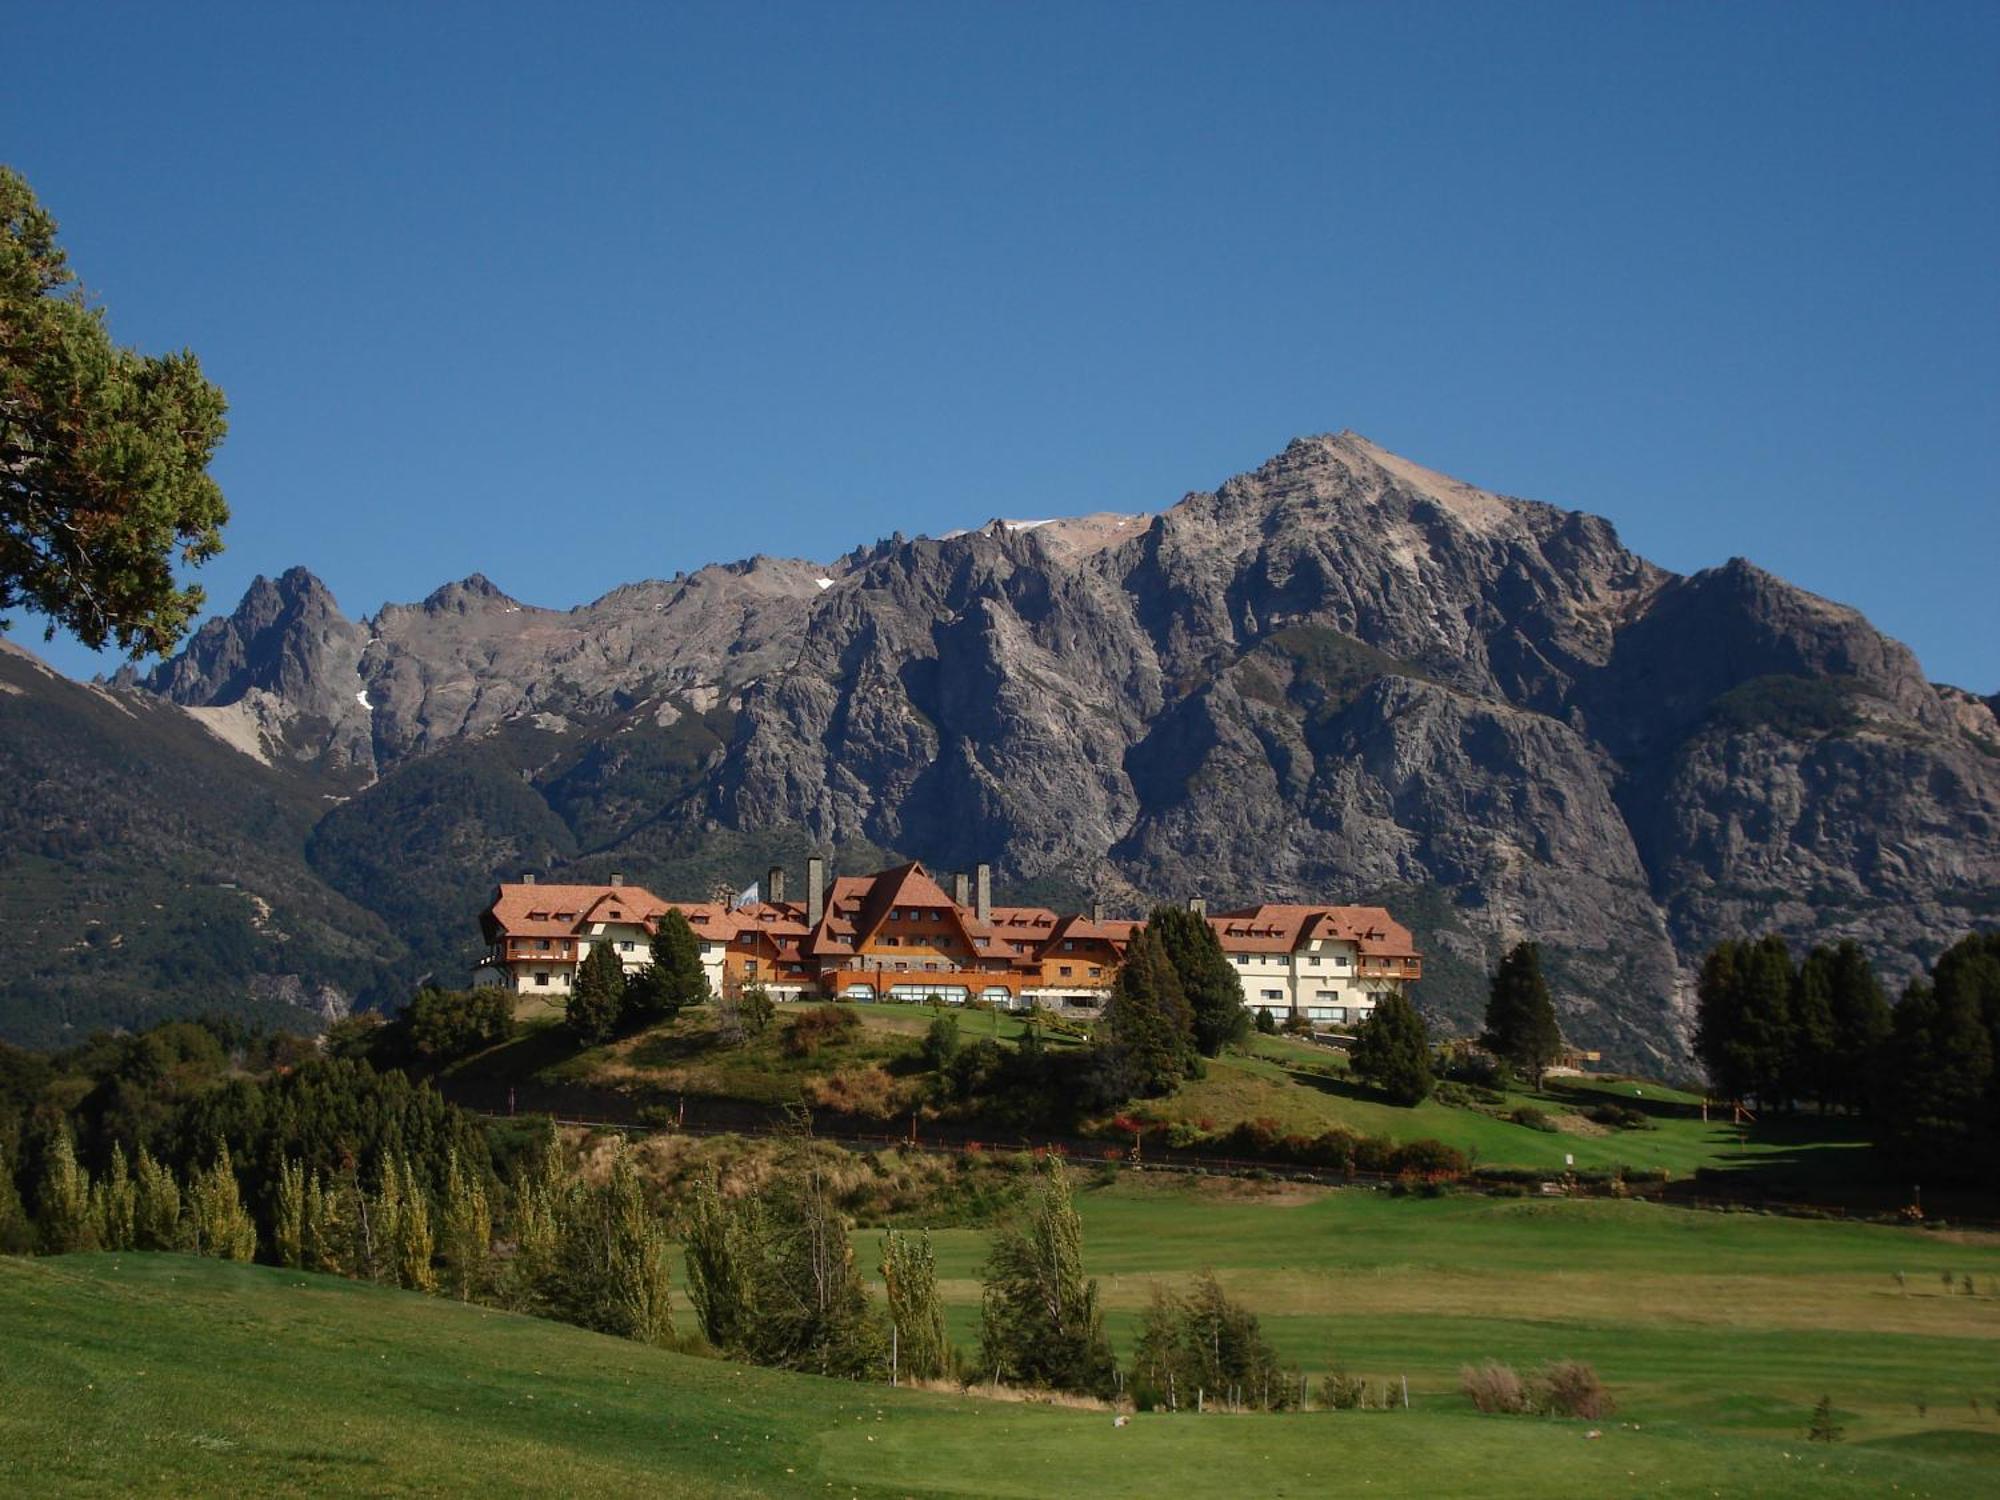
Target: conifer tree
1208, 979
114, 1205
1861, 1024
220, 1225
1392, 1051
909, 1271
1148, 1024
157, 1207
597, 999
1811, 1062
1040, 1323
66, 1220
675, 978
468, 1227
1521, 1025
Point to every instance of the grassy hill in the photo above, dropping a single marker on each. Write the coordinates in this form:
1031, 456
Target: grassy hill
1296, 1087
158, 1374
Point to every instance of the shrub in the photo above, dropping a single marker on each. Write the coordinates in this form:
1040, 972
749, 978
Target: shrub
1618, 1117
1341, 1391
445, 1026
812, 1029
941, 1043
1534, 1119
1570, 1388
1266, 1024
1494, 1387
1429, 1158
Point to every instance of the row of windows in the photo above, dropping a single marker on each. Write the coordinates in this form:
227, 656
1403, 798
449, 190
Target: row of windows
1244, 960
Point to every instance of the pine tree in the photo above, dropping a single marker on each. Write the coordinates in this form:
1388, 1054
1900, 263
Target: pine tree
1148, 1024
1861, 1025
114, 1205
597, 999
1823, 1428
909, 1272
1207, 977
66, 1220
1718, 1020
468, 1227
220, 1225
157, 1209
1393, 1052
675, 978
1040, 1322
1811, 1062
1521, 1025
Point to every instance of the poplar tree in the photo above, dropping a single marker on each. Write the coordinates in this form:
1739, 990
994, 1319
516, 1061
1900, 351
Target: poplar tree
114, 1205
65, 1198
540, 1193
1521, 1025
1040, 1323
157, 1206
329, 1232
414, 1242
718, 1244
288, 1215
221, 1226
468, 1227
909, 1272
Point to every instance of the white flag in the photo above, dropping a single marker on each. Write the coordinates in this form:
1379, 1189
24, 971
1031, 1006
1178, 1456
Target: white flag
747, 895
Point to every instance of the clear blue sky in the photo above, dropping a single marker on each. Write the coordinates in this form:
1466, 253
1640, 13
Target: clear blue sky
573, 295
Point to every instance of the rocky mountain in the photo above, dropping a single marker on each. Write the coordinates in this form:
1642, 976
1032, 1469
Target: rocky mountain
1342, 676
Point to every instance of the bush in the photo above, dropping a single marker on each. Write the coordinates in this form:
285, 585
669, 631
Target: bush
941, 1043
1570, 1388
1430, 1159
812, 1029
1618, 1117
1494, 1387
446, 1025
1534, 1119
1341, 1391
1266, 1024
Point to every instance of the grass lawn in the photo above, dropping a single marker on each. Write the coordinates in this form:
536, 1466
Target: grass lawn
164, 1375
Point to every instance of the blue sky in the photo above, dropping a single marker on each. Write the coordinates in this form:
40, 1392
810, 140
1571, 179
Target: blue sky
572, 295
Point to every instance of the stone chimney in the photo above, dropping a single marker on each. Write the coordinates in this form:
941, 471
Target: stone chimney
961, 889
529, 878
774, 885
1198, 905
983, 901
616, 878
1097, 911
815, 890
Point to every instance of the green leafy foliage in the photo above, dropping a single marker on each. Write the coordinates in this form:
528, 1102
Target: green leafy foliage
104, 454
1040, 1322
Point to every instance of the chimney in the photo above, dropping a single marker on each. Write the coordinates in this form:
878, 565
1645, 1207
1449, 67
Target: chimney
529, 878
1198, 905
774, 885
961, 889
1097, 911
983, 905
815, 890
616, 878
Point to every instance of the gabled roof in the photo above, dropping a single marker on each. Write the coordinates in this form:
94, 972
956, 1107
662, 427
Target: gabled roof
1279, 927
536, 910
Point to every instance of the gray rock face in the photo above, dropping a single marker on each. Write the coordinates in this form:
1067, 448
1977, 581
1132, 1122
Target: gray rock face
1340, 676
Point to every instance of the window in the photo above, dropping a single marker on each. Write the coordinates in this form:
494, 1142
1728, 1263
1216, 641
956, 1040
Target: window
542, 977
1068, 946
1243, 960
1340, 960
895, 914
543, 944
1096, 972
618, 916
750, 967
980, 941
1273, 994
1313, 961
1064, 970
892, 942
624, 946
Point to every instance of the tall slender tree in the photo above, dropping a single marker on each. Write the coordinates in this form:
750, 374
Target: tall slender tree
597, 998
1860, 1024
1148, 1023
916, 1313
675, 978
1521, 1025
1040, 1321
1208, 979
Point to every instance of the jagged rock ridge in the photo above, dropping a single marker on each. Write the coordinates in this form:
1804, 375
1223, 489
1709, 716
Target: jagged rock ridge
1342, 675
